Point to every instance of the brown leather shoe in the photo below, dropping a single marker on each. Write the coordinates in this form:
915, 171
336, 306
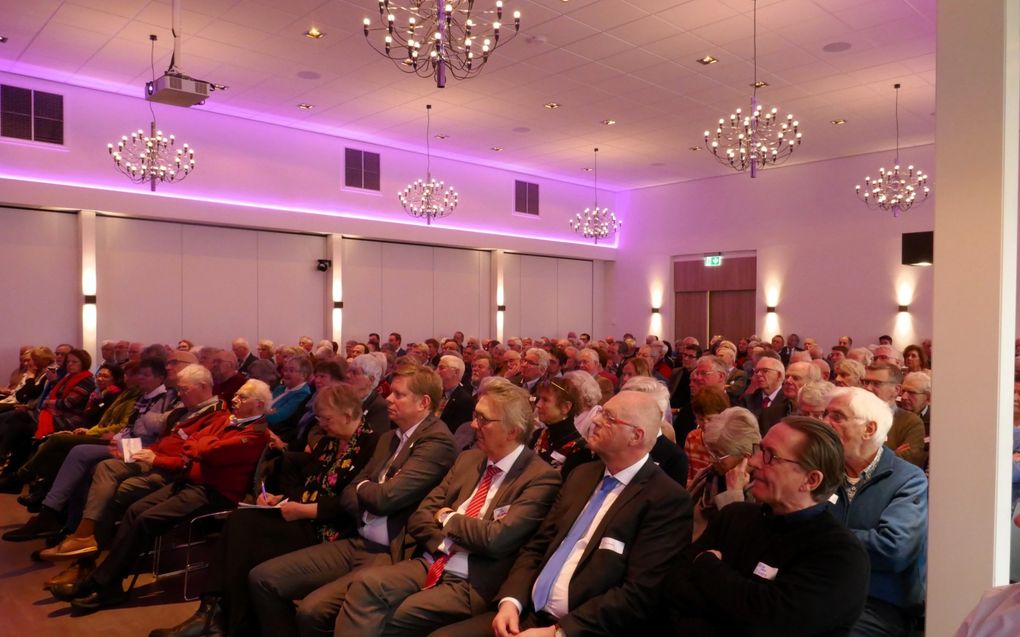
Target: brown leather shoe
72, 547
73, 574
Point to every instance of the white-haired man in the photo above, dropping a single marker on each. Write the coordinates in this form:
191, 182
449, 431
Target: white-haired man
884, 502
534, 365
363, 375
589, 360
906, 437
457, 404
244, 355
768, 402
667, 454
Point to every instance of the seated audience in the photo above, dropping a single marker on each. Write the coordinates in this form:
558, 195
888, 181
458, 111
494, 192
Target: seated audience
306, 514
213, 473
624, 504
589, 397
288, 399
849, 373
457, 404
813, 398
409, 461
468, 530
783, 566
665, 452
731, 438
915, 360
768, 402
883, 501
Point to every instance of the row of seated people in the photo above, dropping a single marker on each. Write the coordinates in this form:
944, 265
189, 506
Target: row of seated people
364, 532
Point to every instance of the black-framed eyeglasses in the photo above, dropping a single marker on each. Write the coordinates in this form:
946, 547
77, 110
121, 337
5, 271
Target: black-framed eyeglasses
769, 457
483, 420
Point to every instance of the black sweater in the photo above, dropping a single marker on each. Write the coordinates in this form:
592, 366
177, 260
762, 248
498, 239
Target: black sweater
799, 574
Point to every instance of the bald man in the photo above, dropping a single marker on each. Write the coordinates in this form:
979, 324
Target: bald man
597, 562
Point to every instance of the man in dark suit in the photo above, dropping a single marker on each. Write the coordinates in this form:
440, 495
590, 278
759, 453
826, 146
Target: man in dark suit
457, 403
597, 562
468, 530
408, 462
767, 402
243, 353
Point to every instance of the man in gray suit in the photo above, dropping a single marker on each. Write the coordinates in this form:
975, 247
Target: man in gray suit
468, 530
408, 462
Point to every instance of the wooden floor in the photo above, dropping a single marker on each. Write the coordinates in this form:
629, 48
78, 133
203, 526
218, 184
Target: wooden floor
26, 609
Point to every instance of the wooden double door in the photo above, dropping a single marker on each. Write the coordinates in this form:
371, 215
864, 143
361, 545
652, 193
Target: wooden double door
719, 300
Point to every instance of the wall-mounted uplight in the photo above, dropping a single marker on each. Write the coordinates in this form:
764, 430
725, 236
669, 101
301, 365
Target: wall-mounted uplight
338, 305
655, 310
501, 308
904, 308
90, 299
770, 309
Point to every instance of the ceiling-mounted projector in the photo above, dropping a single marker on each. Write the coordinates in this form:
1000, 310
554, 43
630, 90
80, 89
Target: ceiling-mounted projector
177, 90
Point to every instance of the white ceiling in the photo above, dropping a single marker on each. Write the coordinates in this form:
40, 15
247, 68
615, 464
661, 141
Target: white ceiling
632, 61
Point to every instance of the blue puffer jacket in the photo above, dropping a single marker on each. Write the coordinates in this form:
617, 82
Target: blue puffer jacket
889, 515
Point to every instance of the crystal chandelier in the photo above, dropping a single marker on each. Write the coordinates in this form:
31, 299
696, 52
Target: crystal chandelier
152, 157
895, 189
436, 36
428, 198
756, 140
595, 223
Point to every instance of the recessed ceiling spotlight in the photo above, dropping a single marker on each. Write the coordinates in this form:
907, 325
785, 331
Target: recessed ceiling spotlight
759, 84
609, 122
836, 47
552, 104
497, 149
657, 164
708, 59
314, 33
305, 106
839, 121
694, 149
587, 169
3, 39
442, 136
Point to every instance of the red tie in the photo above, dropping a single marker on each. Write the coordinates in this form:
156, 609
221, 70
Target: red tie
765, 402
474, 507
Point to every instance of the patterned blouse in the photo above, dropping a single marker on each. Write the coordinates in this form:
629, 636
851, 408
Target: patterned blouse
336, 461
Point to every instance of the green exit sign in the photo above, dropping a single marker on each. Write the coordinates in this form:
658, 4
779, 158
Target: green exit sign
713, 261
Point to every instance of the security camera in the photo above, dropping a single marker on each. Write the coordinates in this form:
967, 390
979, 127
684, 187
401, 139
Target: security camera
323, 265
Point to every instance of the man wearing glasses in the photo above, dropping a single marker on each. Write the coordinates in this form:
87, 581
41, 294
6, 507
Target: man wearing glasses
884, 502
783, 565
768, 403
468, 529
906, 438
597, 562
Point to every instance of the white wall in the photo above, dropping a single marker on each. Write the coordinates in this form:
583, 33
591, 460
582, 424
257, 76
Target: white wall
547, 297
830, 264
159, 282
42, 297
266, 176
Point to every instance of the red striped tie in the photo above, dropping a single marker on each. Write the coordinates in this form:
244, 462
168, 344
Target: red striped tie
474, 507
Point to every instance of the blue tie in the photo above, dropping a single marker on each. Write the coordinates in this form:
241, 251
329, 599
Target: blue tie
552, 568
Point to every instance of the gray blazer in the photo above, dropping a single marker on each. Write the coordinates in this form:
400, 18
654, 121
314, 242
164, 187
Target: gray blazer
418, 468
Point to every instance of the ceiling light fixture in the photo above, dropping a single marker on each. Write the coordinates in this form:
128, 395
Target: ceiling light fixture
442, 136
895, 190
757, 140
694, 149
3, 39
428, 198
305, 106
609, 122
708, 59
152, 157
839, 121
439, 36
759, 84
497, 149
552, 105
595, 223
314, 33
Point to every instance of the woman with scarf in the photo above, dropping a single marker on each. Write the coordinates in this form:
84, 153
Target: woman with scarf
310, 513
730, 438
557, 441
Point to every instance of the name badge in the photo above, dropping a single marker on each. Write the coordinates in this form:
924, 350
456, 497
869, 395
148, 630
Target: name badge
501, 512
558, 457
765, 571
834, 498
182, 434
612, 544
